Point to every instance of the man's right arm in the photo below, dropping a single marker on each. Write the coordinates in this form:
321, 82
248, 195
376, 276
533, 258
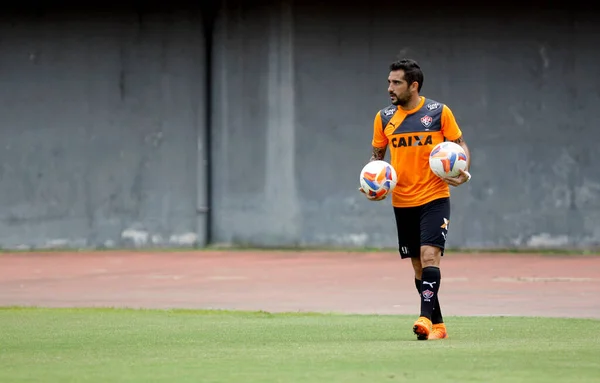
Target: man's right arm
378, 153
380, 141
379, 145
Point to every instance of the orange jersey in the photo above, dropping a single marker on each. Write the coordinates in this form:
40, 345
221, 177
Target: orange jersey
410, 136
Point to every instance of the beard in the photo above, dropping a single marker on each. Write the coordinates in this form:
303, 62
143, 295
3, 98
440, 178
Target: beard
401, 99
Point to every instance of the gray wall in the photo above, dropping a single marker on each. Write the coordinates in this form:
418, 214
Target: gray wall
99, 118
523, 85
106, 123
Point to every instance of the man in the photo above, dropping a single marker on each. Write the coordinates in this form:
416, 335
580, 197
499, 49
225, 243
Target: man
411, 127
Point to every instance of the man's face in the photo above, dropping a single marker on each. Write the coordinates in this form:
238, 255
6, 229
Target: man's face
398, 88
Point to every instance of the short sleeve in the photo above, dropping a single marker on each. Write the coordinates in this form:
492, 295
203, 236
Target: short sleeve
450, 128
379, 138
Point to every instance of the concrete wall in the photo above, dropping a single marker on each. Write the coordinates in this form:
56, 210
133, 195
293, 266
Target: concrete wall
99, 119
523, 86
106, 124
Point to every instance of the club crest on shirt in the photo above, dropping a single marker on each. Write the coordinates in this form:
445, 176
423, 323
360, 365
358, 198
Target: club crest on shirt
426, 121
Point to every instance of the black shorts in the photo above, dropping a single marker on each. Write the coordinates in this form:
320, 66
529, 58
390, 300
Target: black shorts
422, 225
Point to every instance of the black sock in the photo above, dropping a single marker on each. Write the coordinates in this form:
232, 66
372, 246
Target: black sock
436, 316
429, 288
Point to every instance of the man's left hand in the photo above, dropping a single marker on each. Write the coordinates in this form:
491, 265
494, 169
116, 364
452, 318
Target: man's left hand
458, 180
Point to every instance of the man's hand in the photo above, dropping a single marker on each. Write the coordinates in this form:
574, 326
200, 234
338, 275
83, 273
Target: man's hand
372, 198
458, 180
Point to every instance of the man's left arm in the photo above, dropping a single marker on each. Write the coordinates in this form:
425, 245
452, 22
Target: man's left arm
464, 175
452, 131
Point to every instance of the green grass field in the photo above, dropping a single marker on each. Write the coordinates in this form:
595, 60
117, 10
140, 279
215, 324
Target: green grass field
117, 345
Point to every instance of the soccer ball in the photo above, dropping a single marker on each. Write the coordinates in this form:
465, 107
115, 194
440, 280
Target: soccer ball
377, 179
447, 158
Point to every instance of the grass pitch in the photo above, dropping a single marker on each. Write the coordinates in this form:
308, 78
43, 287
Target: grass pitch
117, 345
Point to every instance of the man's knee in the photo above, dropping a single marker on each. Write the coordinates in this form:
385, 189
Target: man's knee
430, 256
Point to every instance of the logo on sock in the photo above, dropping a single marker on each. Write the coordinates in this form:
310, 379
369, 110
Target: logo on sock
427, 295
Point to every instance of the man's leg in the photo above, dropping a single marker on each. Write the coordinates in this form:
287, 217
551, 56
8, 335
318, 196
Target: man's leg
418, 268
434, 229
436, 317
438, 328
409, 237
430, 282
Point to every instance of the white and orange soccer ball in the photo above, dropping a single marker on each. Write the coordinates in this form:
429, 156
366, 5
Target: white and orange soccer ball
377, 179
447, 159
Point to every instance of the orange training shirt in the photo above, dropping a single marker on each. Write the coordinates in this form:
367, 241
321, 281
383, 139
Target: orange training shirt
410, 136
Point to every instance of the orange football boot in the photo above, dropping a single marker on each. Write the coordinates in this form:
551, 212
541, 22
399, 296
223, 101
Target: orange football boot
438, 331
422, 328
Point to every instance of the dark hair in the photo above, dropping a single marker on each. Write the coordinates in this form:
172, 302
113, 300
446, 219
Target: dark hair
412, 71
